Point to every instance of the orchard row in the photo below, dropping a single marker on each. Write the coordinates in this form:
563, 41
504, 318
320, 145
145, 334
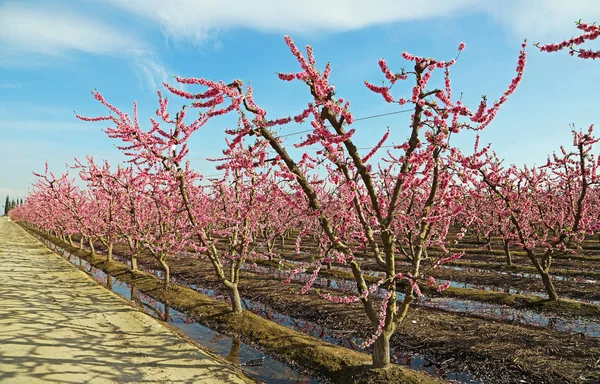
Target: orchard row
397, 204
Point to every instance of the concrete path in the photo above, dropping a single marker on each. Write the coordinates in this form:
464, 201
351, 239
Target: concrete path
57, 325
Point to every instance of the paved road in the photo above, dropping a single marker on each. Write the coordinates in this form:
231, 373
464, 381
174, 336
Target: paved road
57, 325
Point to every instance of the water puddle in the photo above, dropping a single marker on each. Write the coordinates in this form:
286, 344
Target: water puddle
527, 275
522, 274
480, 309
510, 290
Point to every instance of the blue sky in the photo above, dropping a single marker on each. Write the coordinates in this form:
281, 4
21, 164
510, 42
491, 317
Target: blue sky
54, 52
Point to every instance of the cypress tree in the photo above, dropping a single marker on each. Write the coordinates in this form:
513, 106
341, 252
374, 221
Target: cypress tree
6, 205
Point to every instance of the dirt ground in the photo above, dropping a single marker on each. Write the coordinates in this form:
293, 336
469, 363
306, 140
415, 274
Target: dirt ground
58, 325
494, 351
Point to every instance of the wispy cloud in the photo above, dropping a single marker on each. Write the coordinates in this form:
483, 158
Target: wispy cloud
54, 30
7, 84
543, 19
151, 72
201, 21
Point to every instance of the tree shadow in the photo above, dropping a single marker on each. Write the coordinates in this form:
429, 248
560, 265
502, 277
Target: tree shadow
59, 325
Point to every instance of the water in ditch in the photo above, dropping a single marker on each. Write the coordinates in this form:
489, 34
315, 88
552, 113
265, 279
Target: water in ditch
481, 309
253, 362
269, 370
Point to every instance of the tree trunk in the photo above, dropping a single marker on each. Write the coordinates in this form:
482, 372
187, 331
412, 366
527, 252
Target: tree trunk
81, 242
165, 268
109, 252
283, 241
381, 351
71, 241
134, 266
270, 245
134, 296
236, 302
507, 252
167, 314
549, 286
91, 242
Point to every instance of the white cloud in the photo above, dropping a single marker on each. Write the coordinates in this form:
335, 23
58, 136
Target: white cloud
202, 20
56, 30
151, 72
544, 19
199, 21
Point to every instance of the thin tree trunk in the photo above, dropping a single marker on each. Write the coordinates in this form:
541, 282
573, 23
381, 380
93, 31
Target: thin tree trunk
109, 252
71, 241
236, 302
234, 352
81, 242
165, 268
507, 252
381, 351
549, 286
91, 242
133, 296
167, 313
134, 265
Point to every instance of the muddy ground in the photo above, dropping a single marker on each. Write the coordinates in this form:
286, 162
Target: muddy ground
493, 351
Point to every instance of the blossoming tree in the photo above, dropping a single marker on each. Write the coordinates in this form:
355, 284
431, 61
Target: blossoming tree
373, 197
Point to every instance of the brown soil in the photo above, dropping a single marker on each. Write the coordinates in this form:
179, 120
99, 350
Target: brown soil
569, 289
495, 352
575, 269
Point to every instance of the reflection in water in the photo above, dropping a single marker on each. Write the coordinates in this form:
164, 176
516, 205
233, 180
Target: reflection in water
234, 352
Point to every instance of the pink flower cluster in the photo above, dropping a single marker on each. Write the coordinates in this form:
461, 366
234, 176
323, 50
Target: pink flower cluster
591, 32
382, 316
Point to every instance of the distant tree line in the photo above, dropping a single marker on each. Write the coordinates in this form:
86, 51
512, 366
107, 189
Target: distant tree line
10, 204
